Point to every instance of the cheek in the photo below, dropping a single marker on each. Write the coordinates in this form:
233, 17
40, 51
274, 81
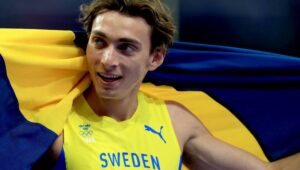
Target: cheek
90, 58
91, 55
89, 51
139, 69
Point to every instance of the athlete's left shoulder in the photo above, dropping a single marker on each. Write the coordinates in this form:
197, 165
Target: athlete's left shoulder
180, 112
186, 125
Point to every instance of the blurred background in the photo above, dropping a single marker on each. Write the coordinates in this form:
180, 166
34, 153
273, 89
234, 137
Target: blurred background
265, 25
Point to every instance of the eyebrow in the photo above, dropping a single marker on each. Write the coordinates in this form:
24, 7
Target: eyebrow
99, 33
131, 41
123, 40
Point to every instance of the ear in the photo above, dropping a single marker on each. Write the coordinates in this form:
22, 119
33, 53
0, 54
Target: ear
157, 58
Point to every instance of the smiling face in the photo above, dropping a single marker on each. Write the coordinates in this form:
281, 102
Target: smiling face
118, 54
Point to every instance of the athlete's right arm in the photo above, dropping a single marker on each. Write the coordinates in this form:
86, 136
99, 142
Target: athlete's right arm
48, 160
56, 147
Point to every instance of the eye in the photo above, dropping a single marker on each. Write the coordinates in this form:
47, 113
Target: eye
127, 48
99, 42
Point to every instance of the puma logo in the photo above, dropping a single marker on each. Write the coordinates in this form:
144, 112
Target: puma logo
148, 128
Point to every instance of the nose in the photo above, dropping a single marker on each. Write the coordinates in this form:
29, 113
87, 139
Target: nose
110, 58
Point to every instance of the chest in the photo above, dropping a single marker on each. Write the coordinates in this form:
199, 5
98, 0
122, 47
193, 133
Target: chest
135, 146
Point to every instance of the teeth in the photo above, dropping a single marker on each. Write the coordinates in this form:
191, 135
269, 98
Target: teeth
111, 76
105, 76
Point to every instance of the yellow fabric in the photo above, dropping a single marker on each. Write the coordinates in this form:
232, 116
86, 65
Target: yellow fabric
47, 71
133, 143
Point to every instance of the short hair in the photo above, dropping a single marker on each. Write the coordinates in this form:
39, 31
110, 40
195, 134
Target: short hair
155, 13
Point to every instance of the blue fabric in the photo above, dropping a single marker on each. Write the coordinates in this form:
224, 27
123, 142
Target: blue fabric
61, 163
22, 143
260, 88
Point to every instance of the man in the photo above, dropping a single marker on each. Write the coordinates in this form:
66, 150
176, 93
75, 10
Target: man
114, 126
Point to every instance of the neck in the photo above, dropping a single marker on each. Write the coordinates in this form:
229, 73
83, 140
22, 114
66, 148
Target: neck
118, 109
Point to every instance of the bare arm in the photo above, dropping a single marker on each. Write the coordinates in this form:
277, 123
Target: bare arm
203, 151
207, 152
48, 160
288, 163
57, 147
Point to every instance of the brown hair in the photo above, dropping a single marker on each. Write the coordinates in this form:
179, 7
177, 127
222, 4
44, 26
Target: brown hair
153, 11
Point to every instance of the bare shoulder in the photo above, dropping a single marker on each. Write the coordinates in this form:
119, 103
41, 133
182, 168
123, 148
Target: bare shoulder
186, 125
203, 151
57, 147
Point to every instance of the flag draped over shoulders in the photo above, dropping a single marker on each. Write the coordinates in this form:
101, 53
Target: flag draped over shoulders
43, 71
46, 71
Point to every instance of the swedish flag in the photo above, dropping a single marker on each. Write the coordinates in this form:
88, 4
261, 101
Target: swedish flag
43, 71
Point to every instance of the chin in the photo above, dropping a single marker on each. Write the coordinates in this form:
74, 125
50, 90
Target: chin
115, 93
110, 95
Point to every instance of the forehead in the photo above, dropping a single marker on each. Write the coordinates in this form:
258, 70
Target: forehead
116, 25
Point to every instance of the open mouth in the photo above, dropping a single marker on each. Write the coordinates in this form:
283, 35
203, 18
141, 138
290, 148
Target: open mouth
109, 77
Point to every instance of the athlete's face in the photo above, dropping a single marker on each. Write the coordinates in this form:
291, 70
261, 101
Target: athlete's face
118, 54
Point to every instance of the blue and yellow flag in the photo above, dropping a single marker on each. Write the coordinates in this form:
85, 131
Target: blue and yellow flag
43, 71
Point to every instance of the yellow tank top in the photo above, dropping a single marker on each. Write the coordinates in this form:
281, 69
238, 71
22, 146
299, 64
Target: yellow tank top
145, 141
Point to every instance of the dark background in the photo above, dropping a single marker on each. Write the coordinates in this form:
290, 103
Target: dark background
268, 25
